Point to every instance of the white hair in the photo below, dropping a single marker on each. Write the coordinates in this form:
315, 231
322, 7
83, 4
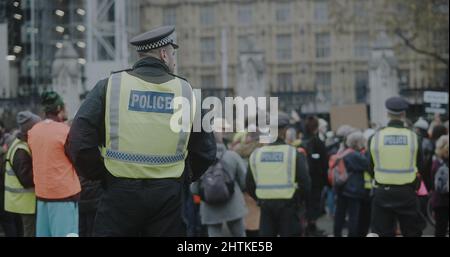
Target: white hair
355, 140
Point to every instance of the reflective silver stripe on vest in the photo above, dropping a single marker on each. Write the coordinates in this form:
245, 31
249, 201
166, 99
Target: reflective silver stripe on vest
289, 166
275, 186
253, 163
413, 150
378, 162
114, 103
19, 190
186, 93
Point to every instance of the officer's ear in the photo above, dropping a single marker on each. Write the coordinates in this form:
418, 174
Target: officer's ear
164, 54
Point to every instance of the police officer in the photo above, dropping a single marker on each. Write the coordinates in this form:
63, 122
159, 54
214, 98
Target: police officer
395, 159
278, 178
19, 185
143, 160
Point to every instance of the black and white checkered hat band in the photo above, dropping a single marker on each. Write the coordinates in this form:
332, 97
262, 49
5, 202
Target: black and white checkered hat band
165, 41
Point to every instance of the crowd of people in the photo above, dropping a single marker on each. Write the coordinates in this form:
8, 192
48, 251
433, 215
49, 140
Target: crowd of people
119, 169
349, 204
46, 197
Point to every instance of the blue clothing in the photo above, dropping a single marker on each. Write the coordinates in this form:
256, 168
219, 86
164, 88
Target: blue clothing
56, 219
356, 164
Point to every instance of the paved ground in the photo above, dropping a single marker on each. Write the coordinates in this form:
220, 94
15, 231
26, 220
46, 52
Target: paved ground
326, 223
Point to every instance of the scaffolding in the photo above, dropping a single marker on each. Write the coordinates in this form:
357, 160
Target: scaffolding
110, 24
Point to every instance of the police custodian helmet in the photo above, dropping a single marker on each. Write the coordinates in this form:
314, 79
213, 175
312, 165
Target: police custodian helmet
154, 39
396, 105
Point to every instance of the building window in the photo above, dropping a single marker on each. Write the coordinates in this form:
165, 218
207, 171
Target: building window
208, 50
245, 14
245, 44
321, 11
360, 8
323, 43
440, 41
208, 82
169, 16
285, 82
283, 12
441, 81
323, 84
284, 47
361, 86
207, 15
361, 48
403, 77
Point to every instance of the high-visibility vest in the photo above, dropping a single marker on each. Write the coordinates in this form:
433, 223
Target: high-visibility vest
394, 152
17, 198
367, 180
140, 142
274, 168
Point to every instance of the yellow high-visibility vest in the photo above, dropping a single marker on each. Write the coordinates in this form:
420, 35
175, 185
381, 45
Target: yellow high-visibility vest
17, 198
367, 180
140, 142
274, 169
394, 152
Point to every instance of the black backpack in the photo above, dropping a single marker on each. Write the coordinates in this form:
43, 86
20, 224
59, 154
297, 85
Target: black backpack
216, 185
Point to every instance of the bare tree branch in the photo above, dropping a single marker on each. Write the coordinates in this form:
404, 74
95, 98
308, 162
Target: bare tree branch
408, 42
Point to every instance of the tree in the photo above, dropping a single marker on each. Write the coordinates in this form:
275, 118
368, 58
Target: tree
420, 25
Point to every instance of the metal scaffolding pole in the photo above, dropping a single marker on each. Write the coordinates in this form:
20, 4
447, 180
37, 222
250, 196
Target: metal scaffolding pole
109, 25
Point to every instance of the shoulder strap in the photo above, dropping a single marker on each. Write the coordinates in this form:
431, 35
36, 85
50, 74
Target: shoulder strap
178, 77
114, 72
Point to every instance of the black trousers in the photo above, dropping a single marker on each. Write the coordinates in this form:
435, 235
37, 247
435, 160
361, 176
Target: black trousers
441, 215
86, 223
279, 217
136, 207
11, 223
396, 203
313, 203
364, 217
347, 205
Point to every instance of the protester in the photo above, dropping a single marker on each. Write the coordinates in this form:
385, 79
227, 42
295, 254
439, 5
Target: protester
56, 182
233, 210
440, 196
350, 194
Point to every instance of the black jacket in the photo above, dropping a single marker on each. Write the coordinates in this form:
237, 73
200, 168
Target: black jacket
22, 165
302, 177
317, 160
88, 129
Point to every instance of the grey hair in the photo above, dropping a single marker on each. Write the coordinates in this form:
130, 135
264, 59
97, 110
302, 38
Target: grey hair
442, 146
345, 130
153, 52
355, 140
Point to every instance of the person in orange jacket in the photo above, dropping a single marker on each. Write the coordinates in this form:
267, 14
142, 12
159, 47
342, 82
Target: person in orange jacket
57, 185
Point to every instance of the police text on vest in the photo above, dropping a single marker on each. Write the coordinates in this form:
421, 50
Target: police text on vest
148, 101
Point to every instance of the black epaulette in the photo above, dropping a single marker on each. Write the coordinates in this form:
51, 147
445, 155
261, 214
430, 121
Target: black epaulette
179, 77
113, 72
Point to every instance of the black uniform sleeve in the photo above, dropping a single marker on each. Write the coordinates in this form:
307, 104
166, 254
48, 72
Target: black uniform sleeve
302, 176
23, 167
420, 156
369, 156
87, 135
323, 160
202, 153
250, 183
